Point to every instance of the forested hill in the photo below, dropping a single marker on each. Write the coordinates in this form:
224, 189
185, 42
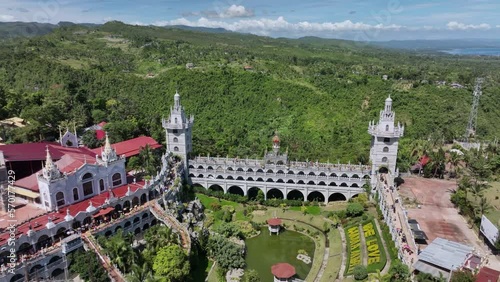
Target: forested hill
318, 94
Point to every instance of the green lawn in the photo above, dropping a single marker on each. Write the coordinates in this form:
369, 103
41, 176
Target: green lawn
207, 201
314, 210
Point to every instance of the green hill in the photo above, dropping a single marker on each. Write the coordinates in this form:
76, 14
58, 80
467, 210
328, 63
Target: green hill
319, 94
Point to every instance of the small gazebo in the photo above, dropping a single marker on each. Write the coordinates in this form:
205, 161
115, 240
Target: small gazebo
274, 225
283, 272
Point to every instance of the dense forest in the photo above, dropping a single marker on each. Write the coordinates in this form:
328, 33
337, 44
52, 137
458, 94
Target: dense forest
318, 94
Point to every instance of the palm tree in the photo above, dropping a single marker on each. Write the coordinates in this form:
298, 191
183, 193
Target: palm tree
377, 277
483, 206
454, 160
139, 273
147, 160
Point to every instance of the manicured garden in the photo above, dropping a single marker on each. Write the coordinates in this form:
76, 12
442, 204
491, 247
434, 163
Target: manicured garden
364, 247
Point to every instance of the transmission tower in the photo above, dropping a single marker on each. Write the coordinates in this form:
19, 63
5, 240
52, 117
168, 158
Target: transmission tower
471, 125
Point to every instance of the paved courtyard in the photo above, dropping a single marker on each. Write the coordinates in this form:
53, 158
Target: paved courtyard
437, 216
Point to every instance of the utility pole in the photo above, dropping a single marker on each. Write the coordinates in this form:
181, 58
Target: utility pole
472, 123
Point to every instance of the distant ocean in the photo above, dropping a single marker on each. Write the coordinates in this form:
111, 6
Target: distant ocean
474, 51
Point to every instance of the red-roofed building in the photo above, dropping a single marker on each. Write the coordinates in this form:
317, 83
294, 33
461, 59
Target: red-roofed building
283, 272
487, 274
131, 147
274, 225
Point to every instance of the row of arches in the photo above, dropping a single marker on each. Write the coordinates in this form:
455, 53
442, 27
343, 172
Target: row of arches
37, 271
275, 193
270, 180
289, 172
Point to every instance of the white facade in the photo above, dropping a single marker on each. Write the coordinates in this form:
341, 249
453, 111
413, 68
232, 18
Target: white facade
178, 130
385, 140
58, 190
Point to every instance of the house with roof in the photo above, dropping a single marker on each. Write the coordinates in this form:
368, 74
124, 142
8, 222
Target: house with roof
487, 274
442, 257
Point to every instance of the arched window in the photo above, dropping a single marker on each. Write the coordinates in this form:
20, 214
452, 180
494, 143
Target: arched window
386, 149
60, 199
101, 185
75, 194
176, 149
384, 159
387, 127
175, 120
175, 139
88, 185
117, 179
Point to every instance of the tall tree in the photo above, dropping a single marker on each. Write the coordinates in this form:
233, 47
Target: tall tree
171, 264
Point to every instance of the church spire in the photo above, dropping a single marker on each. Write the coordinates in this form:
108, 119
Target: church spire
109, 154
50, 170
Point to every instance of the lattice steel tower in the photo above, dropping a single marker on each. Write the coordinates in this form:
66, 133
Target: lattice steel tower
471, 125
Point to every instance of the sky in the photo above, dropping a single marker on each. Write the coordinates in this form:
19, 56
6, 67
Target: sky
365, 20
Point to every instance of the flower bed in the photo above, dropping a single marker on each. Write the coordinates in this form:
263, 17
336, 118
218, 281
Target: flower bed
374, 247
354, 255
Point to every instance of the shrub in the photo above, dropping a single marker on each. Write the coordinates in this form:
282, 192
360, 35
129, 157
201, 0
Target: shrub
360, 272
354, 209
215, 206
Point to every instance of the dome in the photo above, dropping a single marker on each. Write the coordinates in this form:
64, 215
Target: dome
388, 99
90, 208
50, 224
68, 216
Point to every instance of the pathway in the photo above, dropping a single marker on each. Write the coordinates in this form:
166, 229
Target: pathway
323, 265
388, 263
173, 223
344, 254
364, 251
112, 271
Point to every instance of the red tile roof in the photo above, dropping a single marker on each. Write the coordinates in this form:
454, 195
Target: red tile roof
30, 151
131, 147
38, 223
283, 270
487, 275
274, 221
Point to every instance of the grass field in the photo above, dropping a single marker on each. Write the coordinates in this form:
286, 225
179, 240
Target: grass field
314, 210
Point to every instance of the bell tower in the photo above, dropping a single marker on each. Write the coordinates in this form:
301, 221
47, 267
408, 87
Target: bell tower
178, 131
385, 139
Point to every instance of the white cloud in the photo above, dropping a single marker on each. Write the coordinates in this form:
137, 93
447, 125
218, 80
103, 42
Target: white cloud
462, 26
6, 18
498, 26
267, 26
236, 11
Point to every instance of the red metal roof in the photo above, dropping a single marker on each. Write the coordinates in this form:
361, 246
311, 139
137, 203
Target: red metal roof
71, 159
30, 151
283, 270
38, 223
104, 211
131, 147
274, 221
487, 274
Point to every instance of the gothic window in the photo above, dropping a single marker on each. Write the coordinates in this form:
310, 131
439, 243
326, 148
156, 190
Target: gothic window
384, 159
175, 120
386, 149
387, 140
60, 199
101, 184
117, 179
88, 186
176, 148
75, 194
387, 128
175, 131
175, 139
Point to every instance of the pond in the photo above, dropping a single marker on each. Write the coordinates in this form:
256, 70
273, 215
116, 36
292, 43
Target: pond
265, 250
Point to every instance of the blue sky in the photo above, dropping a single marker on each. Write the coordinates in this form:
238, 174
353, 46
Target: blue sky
356, 19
